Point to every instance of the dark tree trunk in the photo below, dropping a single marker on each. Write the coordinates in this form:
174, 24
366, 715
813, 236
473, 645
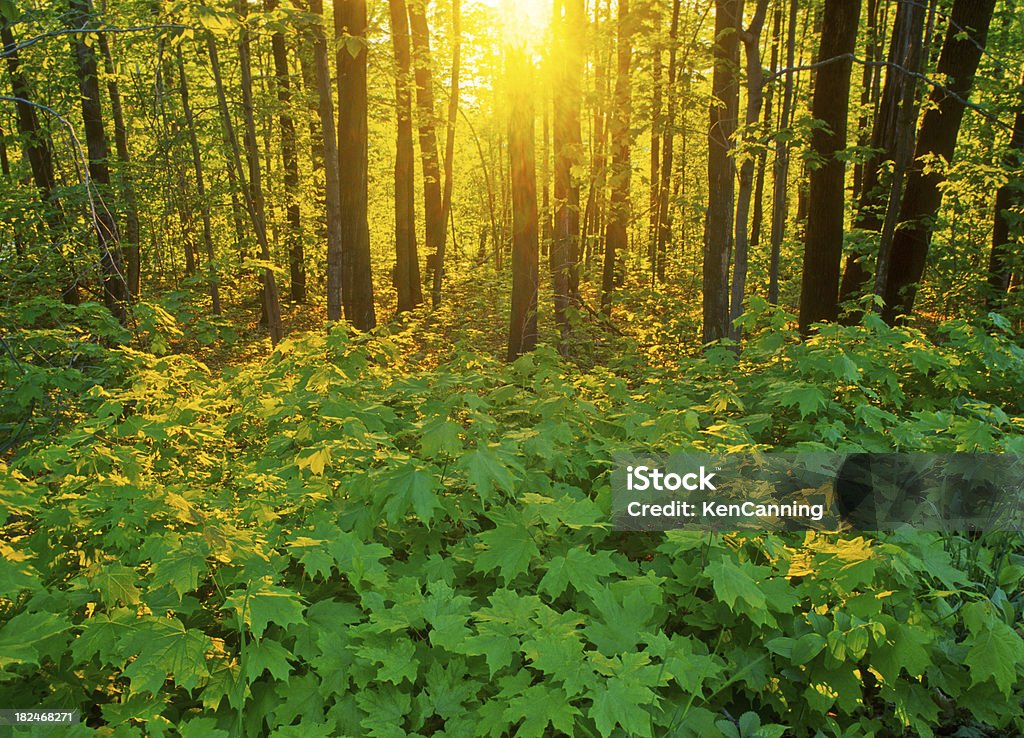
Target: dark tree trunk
780, 170
568, 24
131, 212
751, 38
290, 163
115, 285
757, 214
891, 139
718, 223
823, 238
668, 137
872, 53
1005, 238
332, 176
522, 335
407, 269
961, 52
655, 166
197, 168
618, 212
38, 151
350, 28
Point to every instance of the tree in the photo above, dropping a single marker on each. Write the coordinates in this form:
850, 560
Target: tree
449, 150
115, 284
197, 168
567, 141
332, 175
1006, 229
618, 211
350, 29
407, 270
823, 238
668, 137
290, 164
780, 168
522, 335
38, 150
936, 142
433, 214
718, 222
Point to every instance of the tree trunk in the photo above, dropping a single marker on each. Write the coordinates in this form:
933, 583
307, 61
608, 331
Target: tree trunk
407, 270
751, 38
350, 28
780, 177
38, 151
115, 285
655, 165
197, 168
668, 137
568, 24
718, 223
1005, 237
618, 212
332, 176
131, 212
757, 214
449, 155
891, 139
522, 335
290, 163
433, 214
961, 52
823, 238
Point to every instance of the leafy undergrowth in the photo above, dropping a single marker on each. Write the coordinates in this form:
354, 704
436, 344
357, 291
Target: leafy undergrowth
338, 543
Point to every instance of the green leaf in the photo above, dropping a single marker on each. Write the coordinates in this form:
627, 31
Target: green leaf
266, 655
22, 637
732, 582
262, 603
538, 706
808, 398
486, 471
116, 583
166, 648
409, 485
583, 569
440, 436
806, 648
996, 650
509, 548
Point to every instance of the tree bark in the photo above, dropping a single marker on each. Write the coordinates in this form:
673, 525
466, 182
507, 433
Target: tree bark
823, 238
655, 165
568, 23
115, 285
449, 154
332, 176
1006, 237
407, 269
751, 38
961, 52
525, 269
131, 212
350, 29
780, 169
667, 139
618, 212
197, 168
290, 164
718, 223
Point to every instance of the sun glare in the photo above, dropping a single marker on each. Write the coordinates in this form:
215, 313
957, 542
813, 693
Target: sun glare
522, 21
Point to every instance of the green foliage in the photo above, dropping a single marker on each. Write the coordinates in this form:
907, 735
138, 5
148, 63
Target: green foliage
330, 544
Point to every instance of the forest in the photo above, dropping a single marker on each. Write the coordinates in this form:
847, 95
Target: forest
323, 325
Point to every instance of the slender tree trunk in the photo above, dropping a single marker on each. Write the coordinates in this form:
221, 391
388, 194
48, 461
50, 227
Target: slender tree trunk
718, 223
823, 238
751, 38
961, 52
757, 215
780, 175
1004, 236
525, 269
655, 166
115, 285
449, 155
350, 29
667, 139
332, 176
197, 168
568, 24
251, 191
616, 237
872, 53
290, 163
131, 212
38, 150
407, 271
